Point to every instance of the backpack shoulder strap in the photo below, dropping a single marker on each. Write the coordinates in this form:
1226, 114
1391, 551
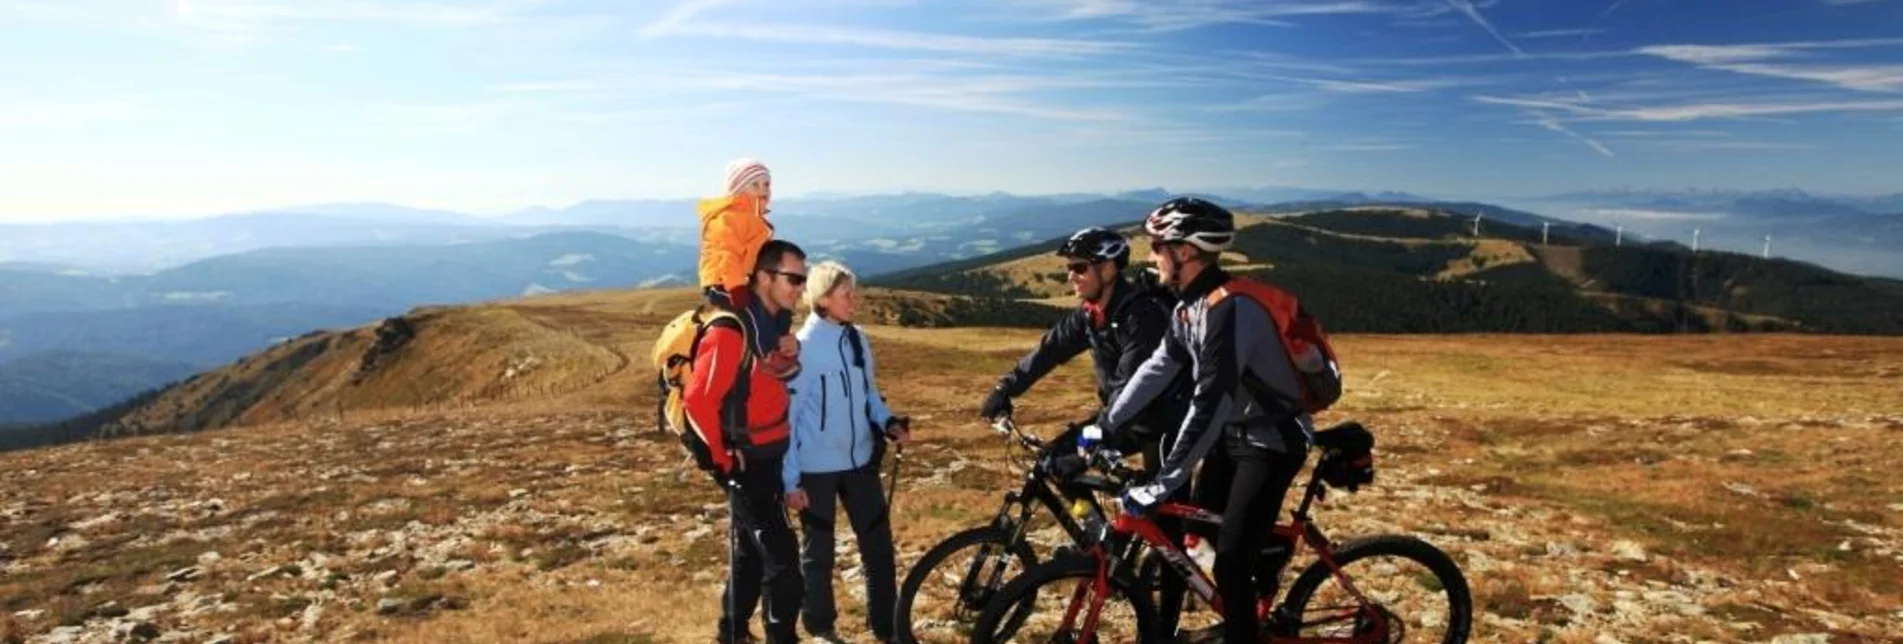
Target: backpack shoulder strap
722, 317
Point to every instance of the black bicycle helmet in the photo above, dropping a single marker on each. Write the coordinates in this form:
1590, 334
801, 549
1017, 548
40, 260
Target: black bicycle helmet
1097, 245
1194, 221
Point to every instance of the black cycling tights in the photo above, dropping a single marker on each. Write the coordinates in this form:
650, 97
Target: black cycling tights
1258, 480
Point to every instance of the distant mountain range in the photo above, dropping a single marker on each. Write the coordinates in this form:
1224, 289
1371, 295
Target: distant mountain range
205, 291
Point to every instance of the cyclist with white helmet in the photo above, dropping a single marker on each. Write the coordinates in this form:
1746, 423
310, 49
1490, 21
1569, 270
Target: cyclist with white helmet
1241, 424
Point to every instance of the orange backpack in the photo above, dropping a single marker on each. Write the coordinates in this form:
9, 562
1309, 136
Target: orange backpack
1309, 353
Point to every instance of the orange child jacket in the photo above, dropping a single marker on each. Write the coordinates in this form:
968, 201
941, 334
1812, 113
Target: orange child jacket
732, 230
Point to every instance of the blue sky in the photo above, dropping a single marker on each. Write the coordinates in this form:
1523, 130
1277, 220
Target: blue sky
141, 108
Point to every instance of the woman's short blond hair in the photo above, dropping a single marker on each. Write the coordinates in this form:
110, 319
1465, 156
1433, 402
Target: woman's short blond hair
823, 278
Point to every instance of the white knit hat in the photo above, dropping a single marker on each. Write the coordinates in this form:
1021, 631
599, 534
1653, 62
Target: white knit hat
741, 172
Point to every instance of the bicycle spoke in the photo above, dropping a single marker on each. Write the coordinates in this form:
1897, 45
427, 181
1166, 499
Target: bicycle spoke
1402, 606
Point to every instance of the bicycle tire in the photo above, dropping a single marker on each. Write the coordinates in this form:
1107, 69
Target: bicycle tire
940, 553
1448, 574
1068, 566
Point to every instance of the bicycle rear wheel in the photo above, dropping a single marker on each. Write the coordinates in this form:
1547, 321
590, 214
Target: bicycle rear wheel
1059, 601
1418, 594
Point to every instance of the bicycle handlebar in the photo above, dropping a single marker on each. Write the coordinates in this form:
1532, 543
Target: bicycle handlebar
1009, 428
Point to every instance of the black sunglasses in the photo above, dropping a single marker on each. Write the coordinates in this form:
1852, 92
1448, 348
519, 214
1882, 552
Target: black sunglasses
796, 279
1079, 268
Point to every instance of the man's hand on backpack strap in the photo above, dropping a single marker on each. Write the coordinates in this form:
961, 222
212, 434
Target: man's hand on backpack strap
736, 462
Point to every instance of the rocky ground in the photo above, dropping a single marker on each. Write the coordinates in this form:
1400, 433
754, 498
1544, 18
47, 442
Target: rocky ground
585, 527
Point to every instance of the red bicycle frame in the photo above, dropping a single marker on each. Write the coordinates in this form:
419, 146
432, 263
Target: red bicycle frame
1297, 531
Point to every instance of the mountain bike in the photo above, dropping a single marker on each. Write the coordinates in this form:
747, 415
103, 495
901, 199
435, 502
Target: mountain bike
1351, 594
994, 547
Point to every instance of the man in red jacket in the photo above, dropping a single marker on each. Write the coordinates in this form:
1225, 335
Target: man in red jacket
737, 404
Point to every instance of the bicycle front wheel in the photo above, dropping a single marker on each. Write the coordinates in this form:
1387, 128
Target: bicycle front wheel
952, 582
1062, 602
1415, 593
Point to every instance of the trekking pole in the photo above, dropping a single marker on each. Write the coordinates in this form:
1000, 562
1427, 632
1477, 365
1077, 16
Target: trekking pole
734, 626
892, 492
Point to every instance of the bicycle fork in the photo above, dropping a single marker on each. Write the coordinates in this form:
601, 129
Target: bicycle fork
1089, 597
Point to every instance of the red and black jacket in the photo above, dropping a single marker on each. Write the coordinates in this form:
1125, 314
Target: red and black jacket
732, 399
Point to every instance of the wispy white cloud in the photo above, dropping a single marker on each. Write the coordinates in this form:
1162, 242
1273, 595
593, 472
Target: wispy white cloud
343, 11
1550, 123
1372, 86
1177, 15
1612, 7
677, 16
1658, 134
1125, 134
1868, 78
1714, 54
1363, 147
1695, 111
1270, 103
1558, 33
241, 22
1467, 7
991, 95
1708, 145
901, 40
1764, 60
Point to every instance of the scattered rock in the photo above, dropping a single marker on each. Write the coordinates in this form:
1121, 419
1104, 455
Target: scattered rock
185, 574
389, 606
1581, 605
110, 610
1628, 551
312, 613
1804, 638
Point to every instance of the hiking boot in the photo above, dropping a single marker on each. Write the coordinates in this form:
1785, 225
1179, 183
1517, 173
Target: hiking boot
743, 638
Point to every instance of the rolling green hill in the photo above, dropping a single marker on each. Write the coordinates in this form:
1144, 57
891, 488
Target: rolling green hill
1415, 270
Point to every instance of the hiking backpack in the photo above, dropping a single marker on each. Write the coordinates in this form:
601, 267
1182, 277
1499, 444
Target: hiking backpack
1309, 353
673, 360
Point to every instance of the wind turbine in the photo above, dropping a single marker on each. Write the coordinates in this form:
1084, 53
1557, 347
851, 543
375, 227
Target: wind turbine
1476, 225
1694, 240
1545, 227
1618, 238
1767, 246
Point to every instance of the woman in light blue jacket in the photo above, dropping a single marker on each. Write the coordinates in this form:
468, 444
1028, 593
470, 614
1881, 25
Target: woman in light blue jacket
840, 422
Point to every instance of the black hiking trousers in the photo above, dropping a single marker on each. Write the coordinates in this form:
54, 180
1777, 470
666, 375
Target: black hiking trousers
764, 558
864, 500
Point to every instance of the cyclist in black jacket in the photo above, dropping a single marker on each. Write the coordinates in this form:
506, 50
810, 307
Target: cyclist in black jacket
1120, 322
